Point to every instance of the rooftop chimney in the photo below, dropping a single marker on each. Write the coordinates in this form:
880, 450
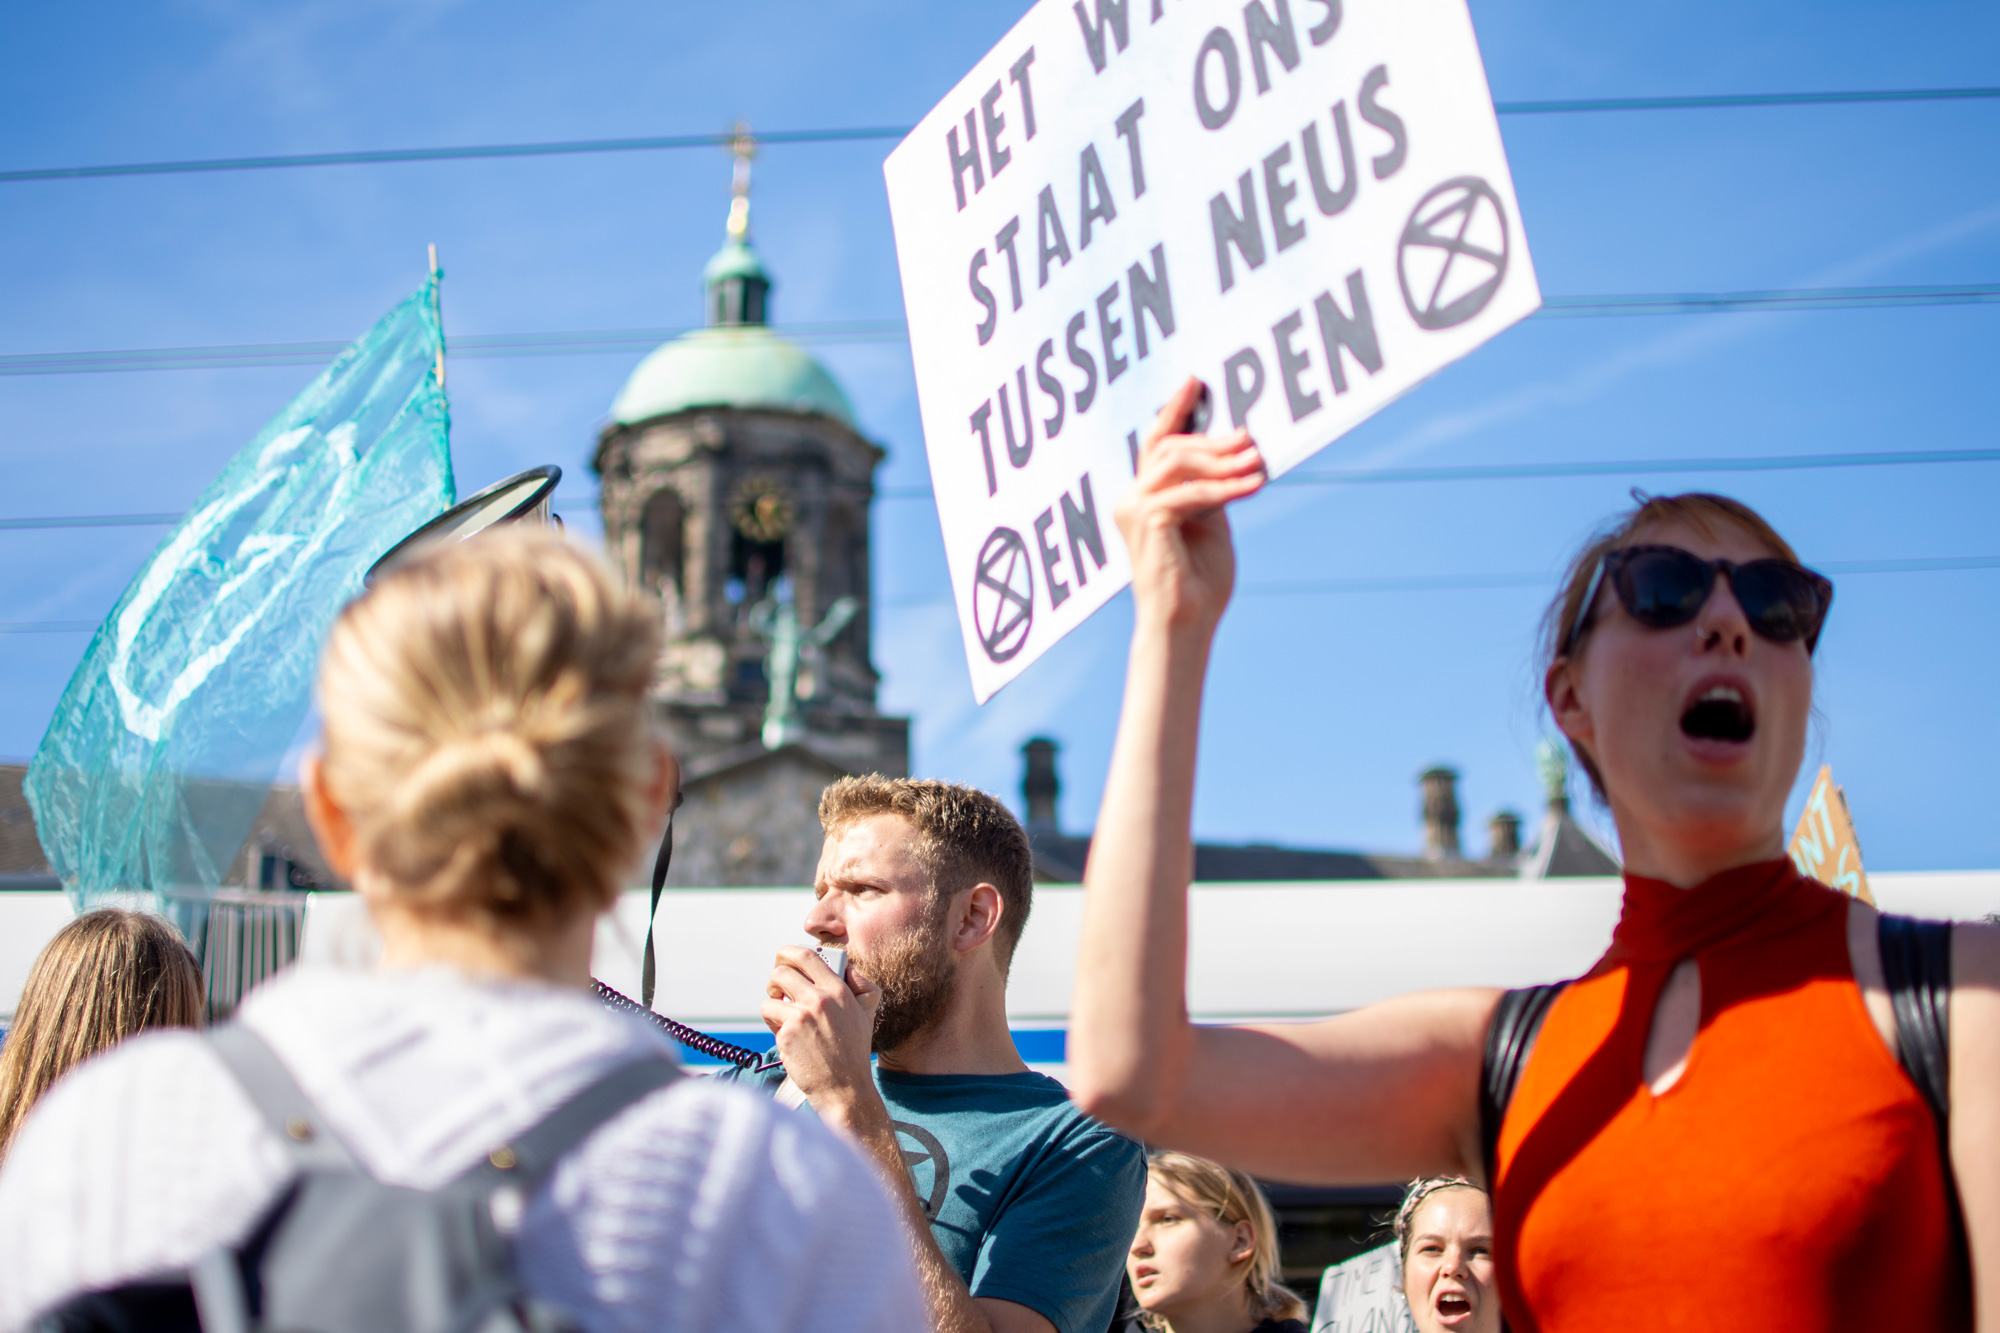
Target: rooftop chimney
1440, 786
1505, 830
1039, 784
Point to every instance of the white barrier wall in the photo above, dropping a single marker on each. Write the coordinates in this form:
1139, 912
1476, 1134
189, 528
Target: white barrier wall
1258, 950
26, 922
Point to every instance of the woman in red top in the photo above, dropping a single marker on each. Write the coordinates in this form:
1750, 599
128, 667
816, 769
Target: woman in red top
1712, 1130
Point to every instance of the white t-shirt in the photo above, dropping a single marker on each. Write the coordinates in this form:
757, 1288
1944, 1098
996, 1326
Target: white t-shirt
699, 1207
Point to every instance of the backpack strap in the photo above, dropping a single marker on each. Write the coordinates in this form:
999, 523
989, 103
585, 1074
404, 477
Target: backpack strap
1517, 1019
284, 1105
1916, 965
1916, 970
525, 1160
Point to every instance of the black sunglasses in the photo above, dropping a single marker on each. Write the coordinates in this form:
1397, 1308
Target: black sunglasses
1664, 586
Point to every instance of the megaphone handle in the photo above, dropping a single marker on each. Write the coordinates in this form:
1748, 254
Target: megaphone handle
661, 863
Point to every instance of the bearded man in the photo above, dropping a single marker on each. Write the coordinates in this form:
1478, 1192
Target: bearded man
1018, 1207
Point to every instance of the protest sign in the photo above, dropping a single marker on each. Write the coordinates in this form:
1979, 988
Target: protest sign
1364, 1295
1304, 202
1824, 845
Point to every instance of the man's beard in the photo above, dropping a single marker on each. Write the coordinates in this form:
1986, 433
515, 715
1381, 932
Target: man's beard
917, 981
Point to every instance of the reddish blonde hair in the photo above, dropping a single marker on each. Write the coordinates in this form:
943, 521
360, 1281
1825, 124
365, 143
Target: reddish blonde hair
1698, 509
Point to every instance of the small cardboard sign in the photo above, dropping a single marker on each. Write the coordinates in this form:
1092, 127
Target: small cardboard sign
1304, 202
1364, 1295
1824, 845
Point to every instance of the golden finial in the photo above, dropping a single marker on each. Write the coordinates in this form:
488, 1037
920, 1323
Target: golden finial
743, 148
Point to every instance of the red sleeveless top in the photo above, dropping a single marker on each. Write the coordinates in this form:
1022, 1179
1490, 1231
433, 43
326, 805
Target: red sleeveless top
1790, 1179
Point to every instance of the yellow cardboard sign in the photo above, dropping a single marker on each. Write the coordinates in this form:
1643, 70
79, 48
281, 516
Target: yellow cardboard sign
1824, 845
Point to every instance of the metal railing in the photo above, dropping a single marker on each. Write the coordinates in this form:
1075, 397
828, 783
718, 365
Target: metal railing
241, 937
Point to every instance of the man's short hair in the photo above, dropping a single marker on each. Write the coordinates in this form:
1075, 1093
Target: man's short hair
964, 837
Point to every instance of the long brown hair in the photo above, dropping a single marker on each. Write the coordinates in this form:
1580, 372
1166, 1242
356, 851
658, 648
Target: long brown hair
106, 975
1231, 1197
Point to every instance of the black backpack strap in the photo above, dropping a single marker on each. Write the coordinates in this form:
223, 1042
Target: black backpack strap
1916, 965
527, 1158
290, 1114
1916, 969
1517, 1019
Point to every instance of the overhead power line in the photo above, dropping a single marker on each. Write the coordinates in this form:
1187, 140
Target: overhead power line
562, 148
1472, 582
89, 521
1352, 477
1633, 466
656, 143
1721, 100
592, 342
1346, 587
476, 346
1776, 299
1619, 467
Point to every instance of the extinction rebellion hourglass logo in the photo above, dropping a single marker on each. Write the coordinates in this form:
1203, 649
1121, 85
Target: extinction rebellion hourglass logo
1453, 253
1003, 594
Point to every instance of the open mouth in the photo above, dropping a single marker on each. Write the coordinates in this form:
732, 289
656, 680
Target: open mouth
1719, 714
1452, 1306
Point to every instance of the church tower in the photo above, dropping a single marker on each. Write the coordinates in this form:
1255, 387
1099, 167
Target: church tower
736, 492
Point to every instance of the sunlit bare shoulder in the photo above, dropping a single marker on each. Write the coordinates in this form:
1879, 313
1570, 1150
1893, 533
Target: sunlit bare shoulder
1975, 955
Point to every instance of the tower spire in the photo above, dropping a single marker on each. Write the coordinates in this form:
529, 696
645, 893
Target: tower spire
743, 147
738, 286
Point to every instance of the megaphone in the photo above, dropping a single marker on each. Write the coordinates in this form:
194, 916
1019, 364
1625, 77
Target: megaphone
521, 498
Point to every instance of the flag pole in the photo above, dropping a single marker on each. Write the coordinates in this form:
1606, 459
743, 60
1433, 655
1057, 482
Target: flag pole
437, 304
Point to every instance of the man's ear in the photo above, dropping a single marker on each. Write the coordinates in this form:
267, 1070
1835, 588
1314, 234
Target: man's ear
663, 794
331, 828
977, 918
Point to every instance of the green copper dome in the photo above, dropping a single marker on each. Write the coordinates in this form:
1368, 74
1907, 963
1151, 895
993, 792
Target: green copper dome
736, 361
744, 365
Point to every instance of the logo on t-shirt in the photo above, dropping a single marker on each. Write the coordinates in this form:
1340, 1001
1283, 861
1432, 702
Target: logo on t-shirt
926, 1159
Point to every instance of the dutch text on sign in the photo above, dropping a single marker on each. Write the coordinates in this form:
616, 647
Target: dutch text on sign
1304, 202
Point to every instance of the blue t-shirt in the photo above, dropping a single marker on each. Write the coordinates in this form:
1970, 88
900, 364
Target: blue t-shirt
1030, 1200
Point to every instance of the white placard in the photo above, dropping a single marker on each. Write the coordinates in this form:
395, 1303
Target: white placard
1364, 1295
1304, 202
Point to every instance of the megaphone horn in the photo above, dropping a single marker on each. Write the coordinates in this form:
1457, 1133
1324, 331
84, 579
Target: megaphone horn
521, 498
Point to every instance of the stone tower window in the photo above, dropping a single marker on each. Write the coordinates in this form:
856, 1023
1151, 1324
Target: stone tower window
661, 549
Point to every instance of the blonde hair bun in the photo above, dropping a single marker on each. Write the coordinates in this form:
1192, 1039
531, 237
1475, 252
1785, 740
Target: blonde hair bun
486, 726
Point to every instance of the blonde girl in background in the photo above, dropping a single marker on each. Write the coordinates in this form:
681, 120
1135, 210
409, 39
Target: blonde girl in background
107, 975
1206, 1256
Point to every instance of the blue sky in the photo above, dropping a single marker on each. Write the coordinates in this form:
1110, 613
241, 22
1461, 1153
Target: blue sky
1322, 709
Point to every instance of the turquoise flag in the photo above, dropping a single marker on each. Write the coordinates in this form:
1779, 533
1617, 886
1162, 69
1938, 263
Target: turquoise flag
166, 742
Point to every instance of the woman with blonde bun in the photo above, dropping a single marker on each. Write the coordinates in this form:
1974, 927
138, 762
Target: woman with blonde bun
1205, 1259
488, 778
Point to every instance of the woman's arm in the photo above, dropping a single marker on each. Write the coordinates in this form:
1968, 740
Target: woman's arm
1380, 1093
1975, 1107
